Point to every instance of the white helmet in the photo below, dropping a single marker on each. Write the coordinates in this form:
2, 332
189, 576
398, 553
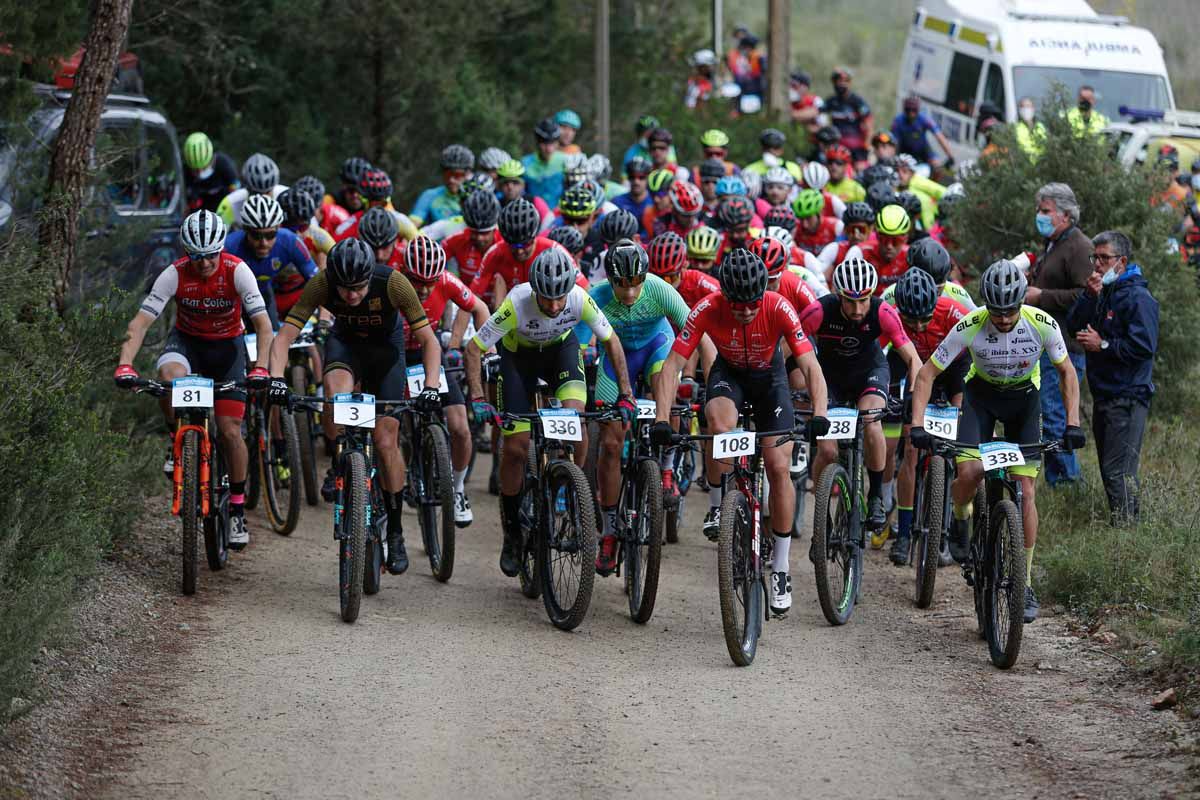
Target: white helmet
753, 182
574, 161
600, 167
261, 211
782, 235
704, 58
778, 175
816, 175
203, 233
855, 278
260, 173
492, 158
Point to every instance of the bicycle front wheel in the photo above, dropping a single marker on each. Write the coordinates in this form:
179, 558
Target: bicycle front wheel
567, 545
531, 582
352, 545
435, 497
280, 467
980, 570
739, 579
927, 538
306, 431
644, 549
836, 557
1006, 585
189, 508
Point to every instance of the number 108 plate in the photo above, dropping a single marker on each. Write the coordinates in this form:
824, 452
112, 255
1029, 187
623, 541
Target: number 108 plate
733, 444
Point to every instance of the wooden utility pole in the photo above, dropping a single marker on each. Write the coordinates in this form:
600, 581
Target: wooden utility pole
58, 225
603, 121
779, 57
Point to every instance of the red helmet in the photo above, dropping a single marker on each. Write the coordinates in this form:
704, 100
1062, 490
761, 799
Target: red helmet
772, 252
686, 198
838, 153
375, 185
668, 254
424, 259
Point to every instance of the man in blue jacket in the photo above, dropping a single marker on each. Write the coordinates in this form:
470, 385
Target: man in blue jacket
1115, 319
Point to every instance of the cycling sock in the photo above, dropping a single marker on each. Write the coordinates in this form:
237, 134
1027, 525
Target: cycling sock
905, 520
1028, 566
610, 520
460, 480
783, 544
395, 523
889, 488
714, 496
510, 510
963, 513
874, 482
237, 497
666, 459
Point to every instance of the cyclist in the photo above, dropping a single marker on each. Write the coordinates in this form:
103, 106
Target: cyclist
702, 246
739, 224
773, 142
209, 175
442, 202
490, 161
847, 327
837, 161
569, 124
299, 208
512, 186
700, 83
570, 238
662, 153
926, 190
814, 231
746, 323
1004, 339
686, 204
930, 256
617, 225
714, 143
659, 182
640, 148
366, 347
276, 255
544, 166
910, 127
804, 264
578, 210
858, 222
465, 249
347, 200
212, 289
710, 170
638, 198
534, 328
375, 189
600, 169
781, 280
506, 263
260, 175
889, 252
778, 185
668, 257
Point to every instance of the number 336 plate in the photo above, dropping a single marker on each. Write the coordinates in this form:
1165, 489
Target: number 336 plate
562, 424
995, 455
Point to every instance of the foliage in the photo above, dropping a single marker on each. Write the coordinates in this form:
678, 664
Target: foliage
38, 35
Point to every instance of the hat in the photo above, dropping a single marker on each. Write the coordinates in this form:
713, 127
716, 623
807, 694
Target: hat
882, 137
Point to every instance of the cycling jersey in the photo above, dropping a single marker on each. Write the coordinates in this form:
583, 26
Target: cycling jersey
829, 229
207, 192
443, 229
795, 290
640, 322
835, 253
1003, 359
435, 204
847, 112
695, 285
378, 314
834, 205
544, 179
812, 278
946, 314
349, 228
463, 257
288, 284
841, 341
519, 322
889, 271
637, 208
230, 207
287, 259
499, 260
207, 308
744, 347
447, 289
332, 214
950, 289
316, 239
850, 190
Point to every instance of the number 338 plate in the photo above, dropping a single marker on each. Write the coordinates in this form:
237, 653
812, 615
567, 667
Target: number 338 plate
843, 423
996, 455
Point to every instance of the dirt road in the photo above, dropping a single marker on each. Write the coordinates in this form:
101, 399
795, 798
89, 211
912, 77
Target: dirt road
465, 689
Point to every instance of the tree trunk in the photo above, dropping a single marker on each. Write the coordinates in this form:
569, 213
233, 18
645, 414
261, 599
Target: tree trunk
58, 228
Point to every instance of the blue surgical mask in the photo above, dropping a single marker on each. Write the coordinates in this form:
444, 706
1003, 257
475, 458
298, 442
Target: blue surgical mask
1109, 278
1044, 225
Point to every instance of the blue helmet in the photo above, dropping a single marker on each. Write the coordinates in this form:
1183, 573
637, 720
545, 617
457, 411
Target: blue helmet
730, 185
569, 118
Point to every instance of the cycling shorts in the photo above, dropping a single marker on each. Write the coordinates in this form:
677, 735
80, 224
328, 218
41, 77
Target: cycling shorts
767, 390
560, 365
376, 362
847, 384
643, 363
453, 396
218, 359
1018, 408
945, 387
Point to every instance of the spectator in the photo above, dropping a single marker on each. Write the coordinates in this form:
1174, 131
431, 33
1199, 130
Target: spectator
850, 114
806, 105
911, 128
544, 167
700, 83
748, 65
569, 124
1115, 319
773, 143
641, 148
1029, 132
1061, 271
1084, 118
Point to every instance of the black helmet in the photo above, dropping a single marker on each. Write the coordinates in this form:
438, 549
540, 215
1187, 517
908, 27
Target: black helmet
911, 205
772, 138
735, 210
626, 259
552, 274
780, 217
351, 262
928, 254
638, 166
879, 195
352, 170
947, 203
546, 130
298, 206
619, 224
877, 173
743, 276
480, 210
858, 212
568, 236
916, 294
519, 221
457, 156
311, 184
712, 169
1003, 287
828, 136
378, 227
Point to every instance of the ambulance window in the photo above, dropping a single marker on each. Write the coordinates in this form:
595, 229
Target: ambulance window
993, 87
963, 84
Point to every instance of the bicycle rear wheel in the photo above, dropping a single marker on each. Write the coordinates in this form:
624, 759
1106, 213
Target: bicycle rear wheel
927, 536
435, 498
216, 524
739, 579
530, 580
1006, 596
306, 431
837, 559
189, 508
353, 543
279, 476
567, 545
643, 555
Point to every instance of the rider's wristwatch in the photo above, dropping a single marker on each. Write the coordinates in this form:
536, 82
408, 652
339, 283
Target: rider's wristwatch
1104, 344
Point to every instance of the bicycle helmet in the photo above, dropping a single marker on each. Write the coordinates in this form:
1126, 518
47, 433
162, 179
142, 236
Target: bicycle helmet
780, 217
480, 210
626, 259
816, 175
574, 167
552, 274
782, 235
928, 255
261, 211
660, 180
714, 137
858, 212
546, 130
660, 135
197, 151
375, 185
880, 194
911, 205
424, 259
577, 202
492, 157
569, 237
377, 227
519, 221
298, 206
946, 205
351, 262
598, 193
712, 169
619, 224
808, 203
511, 170
916, 294
203, 234
668, 254
773, 254
771, 138
838, 153
1003, 287
743, 276
855, 278
352, 169
311, 185
569, 118
734, 211
457, 156
879, 173
599, 167
828, 136
260, 173
778, 175
753, 183
892, 220
686, 198
704, 58
638, 166
645, 123
703, 242
479, 182
731, 186
906, 160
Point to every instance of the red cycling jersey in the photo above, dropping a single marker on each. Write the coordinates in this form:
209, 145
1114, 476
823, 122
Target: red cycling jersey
814, 242
207, 308
890, 271
467, 257
695, 285
756, 230
795, 290
946, 315
500, 261
744, 347
446, 289
332, 216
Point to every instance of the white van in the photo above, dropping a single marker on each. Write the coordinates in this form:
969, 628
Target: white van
961, 54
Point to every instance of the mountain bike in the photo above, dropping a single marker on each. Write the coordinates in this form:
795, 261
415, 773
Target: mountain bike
932, 504
429, 484
683, 467
273, 462
201, 478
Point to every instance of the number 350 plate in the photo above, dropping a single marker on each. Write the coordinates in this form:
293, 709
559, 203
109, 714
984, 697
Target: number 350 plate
562, 424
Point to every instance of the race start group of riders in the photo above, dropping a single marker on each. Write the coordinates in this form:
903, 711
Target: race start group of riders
789, 287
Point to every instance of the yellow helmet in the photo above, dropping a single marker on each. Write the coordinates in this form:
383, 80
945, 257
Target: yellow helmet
892, 220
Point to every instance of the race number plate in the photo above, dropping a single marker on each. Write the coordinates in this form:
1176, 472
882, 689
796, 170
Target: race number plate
843, 423
192, 392
416, 380
733, 444
355, 410
942, 422
562, 424
647, 409
997, 455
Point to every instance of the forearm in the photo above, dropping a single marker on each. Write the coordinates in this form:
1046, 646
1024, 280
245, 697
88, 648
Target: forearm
814, 379
431, 357
616, 356
668, 385
266, 336
279, 349
945, 144
472, 357
135, 334
1070, 390
921, 391
459, 329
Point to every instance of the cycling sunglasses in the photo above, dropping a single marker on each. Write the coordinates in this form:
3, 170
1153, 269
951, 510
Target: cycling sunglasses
895, 241
754, 306
196, 258
262, 236
521, 245
629, 283
913, 322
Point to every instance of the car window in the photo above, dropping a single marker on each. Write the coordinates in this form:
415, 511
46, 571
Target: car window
963, 84
160, 183
993, 87
137, 161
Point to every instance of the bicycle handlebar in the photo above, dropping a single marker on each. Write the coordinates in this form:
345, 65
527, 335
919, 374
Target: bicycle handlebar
162, 389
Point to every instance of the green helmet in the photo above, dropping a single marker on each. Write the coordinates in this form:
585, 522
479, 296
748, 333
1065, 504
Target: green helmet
511, 170
808, 203
578, 202
660, 180
703, 242
714, 137
892, 220
197, 151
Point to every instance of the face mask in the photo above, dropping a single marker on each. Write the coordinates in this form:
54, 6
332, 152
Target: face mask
1196, 182
794, 95
1026, 113
204, 173
1044, 226
1109, 278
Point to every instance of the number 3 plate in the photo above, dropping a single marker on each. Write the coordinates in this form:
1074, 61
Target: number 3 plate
192, 392
843, 423
562, 424
733, 444
355, 410
995, 455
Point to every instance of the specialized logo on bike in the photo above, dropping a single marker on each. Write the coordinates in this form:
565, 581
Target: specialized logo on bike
192, 392
1000, 455
354, 410
561, 423
843, 423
